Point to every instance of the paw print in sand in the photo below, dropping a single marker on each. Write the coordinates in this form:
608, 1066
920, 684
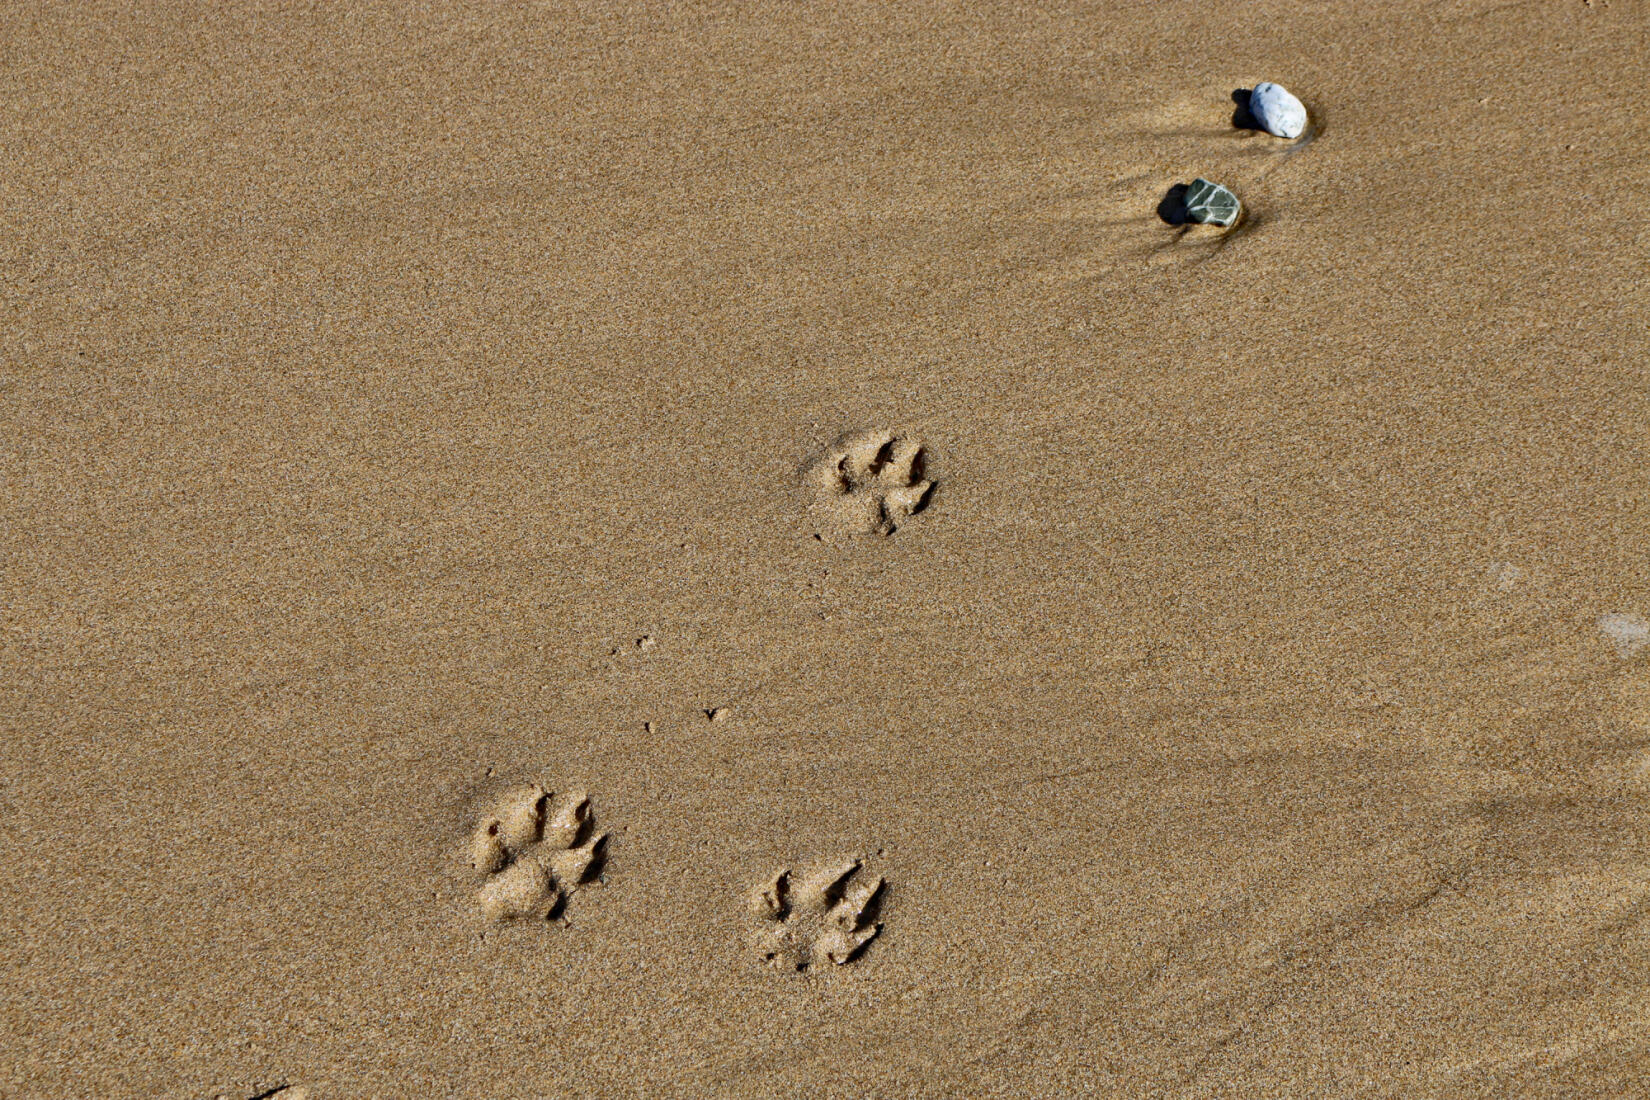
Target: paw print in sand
823, 917
534, 858
869, 481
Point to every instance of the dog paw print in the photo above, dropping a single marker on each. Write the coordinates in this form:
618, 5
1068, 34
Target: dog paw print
870, 481
532, 857
826, 916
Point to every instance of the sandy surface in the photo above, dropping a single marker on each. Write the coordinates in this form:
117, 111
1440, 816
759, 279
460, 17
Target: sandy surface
1243, 716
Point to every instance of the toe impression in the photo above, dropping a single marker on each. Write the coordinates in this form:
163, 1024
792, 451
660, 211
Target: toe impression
487, 850
521, 817
838, 946
569, 821
571, 866
820, 890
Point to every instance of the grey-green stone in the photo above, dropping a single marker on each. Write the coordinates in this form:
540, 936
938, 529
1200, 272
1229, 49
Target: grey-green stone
1211, 203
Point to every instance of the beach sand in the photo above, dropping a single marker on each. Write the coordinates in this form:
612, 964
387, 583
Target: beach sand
406, 403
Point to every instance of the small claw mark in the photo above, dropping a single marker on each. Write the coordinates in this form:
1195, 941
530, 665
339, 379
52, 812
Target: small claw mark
880, 460
839, 946
918, 464
924, 495
557, 906
769, 899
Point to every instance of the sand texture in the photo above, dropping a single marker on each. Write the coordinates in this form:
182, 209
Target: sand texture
736, 550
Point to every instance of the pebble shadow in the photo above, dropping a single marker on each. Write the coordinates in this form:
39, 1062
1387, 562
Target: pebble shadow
1241, 118
1173, 207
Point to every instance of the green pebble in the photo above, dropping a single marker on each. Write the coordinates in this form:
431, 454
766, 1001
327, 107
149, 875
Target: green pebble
1211, 203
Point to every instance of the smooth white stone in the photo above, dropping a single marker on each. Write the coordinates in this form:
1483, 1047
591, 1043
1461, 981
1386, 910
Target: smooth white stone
1278, 113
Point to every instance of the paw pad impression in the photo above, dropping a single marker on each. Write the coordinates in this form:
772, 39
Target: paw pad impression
825, 916
533, 858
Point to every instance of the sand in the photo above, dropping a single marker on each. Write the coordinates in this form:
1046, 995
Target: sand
403, 404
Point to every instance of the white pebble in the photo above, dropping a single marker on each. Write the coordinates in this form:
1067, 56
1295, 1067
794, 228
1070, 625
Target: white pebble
1278, 113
